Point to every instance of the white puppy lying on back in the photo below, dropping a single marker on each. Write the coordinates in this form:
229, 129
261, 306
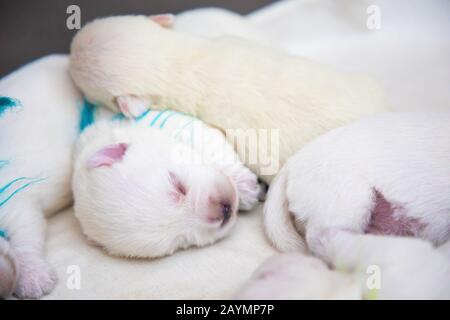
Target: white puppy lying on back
387, 175
230, 84
150, 204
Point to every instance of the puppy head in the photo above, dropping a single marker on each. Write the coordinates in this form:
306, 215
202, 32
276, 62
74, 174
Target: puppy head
123, 55
136, 199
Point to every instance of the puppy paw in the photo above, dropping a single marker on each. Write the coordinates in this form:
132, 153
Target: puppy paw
249, 190
8, 274
36, 279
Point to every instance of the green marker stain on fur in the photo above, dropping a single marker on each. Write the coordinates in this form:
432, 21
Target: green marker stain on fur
8, 103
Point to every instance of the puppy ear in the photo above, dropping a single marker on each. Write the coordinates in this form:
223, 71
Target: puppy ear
164, 20
132, 106
107, 156
179, 189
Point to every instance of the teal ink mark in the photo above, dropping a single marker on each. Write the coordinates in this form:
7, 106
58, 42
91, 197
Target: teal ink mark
6, 187
3, 163
118, 117
157, 117
87, 115
7, 103
142, 115
3, 234
167, 118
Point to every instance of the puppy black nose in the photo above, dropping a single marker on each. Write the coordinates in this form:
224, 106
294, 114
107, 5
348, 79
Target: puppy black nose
226, 212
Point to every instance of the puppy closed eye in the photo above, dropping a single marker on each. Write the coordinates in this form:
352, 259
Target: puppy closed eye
179, 189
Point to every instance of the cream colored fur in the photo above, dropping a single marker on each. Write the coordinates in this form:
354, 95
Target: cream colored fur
311, 28
228, 83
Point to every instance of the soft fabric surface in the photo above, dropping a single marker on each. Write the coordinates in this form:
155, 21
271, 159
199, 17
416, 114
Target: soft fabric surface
410, 55
206, 273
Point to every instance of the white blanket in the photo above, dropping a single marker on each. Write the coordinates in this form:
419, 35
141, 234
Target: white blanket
410, 55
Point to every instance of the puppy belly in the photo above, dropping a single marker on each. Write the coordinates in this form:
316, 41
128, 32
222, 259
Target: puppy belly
387, 218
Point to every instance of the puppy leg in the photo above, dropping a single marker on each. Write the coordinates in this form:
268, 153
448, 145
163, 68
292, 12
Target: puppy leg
301, 200
26, 227
407, 268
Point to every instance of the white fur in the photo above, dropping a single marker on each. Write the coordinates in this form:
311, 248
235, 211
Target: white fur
8, 272
409, 268
330, 183
296, 276
230, 84
39, 141
127, 208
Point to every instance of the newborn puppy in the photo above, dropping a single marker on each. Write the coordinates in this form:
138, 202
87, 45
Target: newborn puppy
387, 175
296, 277
39, 125
230, 84
141, 199
36, 172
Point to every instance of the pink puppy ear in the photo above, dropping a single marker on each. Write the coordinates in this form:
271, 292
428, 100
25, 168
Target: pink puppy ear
179, 190
164, 20
107, 156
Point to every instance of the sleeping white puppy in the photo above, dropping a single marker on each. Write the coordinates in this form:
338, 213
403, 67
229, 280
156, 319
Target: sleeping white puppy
231, 84
181, 202
348, 190
140, 192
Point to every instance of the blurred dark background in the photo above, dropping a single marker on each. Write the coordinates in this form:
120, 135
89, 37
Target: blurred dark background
33, 28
